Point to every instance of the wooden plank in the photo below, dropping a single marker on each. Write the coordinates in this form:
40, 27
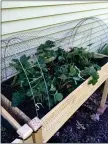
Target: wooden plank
25, 132
36, 125
28, 140
37, 136
54, 120
105, 94
14, 111
17, 141
10, 119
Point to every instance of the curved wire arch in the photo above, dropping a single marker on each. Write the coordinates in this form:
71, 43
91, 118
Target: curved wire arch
4, 56
24, 73
41, 71
84, 20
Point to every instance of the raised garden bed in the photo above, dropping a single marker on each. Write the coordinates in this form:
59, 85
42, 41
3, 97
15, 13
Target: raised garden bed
79, 64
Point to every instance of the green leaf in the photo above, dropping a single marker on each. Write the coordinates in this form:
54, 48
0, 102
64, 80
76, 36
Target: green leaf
93, 73
36, 93
72, 71
60, 58
63, 77
63, 69
17, 98
50, 43
41, 60
24, 58
41, 87
97, 67
76, 78
23, 80
52, 88
58, 97
92, 81
29, 93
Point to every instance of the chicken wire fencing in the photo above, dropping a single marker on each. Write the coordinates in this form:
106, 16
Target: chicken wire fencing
90, 33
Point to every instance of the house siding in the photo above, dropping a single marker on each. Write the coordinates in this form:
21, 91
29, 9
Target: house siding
25, 19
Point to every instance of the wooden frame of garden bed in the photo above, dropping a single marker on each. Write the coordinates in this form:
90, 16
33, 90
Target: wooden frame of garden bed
54, 120
24, 132
45, 128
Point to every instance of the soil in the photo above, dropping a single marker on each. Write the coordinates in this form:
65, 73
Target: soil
81, 128
8, 134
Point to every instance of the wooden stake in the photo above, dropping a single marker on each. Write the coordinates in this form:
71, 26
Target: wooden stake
10, 119
14, 111
28, 140
36, 125
105, 94
17, 141
25, 132
37, 136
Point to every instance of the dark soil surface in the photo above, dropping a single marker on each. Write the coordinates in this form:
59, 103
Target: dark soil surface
8, 134
81, 128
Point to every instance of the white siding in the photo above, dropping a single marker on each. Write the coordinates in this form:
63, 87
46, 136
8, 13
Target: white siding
24, 19
21, 16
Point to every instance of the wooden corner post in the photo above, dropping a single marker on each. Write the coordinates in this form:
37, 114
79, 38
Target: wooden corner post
25, 132
36, 125
105, 94
102, 107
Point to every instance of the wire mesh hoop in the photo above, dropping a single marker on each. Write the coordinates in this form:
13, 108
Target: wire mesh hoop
91, 25
37, 107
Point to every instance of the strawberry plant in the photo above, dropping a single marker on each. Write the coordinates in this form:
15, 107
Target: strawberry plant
52, 75
92, 71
